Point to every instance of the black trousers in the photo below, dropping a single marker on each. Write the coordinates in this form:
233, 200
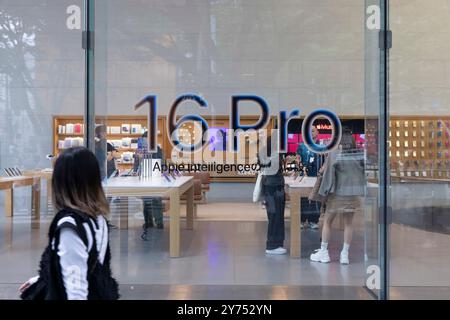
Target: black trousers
310, 210
153, 208
274, 197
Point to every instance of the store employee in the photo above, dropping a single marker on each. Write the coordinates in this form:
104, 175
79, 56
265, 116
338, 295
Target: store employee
311, 161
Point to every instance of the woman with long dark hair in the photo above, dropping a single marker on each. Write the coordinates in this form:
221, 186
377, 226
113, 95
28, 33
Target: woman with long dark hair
76, 262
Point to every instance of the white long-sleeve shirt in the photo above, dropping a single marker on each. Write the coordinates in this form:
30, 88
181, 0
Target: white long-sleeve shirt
73, 256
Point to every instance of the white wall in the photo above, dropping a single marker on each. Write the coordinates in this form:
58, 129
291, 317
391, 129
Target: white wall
420, 57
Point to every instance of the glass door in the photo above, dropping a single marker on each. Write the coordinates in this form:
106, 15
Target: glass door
377, 43
288, 55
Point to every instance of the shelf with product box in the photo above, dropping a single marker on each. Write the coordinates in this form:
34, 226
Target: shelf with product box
123, 132
419, 147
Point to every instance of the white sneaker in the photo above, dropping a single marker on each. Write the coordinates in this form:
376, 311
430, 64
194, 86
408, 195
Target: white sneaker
320, 256
313, 225
279, 250
344, 258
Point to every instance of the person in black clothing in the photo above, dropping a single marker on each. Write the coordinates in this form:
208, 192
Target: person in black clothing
274, 197
76, 263
153, 206
105, 152
312, 162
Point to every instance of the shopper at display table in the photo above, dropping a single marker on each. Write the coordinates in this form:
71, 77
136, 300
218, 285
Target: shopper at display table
153, 206
311, 161
274, 197
343, 186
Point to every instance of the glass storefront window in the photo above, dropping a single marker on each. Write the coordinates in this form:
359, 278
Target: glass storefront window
287, 54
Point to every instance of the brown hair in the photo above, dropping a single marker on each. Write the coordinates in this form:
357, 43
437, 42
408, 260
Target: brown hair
77, 184
347, 140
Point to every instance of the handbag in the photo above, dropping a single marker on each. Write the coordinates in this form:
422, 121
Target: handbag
257, 191
314, 195
49, 286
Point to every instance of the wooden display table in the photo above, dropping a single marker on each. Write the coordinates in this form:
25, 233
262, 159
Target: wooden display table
44, 174
302, 188
136, 187
8, 184
297, 189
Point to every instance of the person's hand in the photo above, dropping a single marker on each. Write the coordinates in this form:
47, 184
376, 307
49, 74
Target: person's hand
27, 284
24, 287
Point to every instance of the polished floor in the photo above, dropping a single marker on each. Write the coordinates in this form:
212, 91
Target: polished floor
222, 258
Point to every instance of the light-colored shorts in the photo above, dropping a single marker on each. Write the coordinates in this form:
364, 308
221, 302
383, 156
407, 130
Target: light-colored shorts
343, 204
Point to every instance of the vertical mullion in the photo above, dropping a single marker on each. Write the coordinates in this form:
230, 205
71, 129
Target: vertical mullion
89, 112
385, 207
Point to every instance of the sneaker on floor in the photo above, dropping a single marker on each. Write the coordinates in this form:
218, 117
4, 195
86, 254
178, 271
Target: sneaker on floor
313, 225
320, 255
304, 225
344, 258
279, 250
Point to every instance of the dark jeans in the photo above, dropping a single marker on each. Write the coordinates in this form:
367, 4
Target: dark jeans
153, 208
310, 210
275, 202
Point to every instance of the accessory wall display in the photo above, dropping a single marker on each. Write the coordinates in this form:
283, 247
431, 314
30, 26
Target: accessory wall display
124, 131
418, 146
121, 131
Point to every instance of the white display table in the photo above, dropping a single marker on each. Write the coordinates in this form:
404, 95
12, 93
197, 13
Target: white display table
157, 186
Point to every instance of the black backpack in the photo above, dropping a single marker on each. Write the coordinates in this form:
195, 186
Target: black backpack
50, 286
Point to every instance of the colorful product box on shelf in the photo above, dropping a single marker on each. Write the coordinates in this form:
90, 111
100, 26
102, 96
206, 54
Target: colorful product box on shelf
67, 143
77, 142
125, 128
126, 143
78, 128
69, 128
71, 142
127, 157
61, 129
136, 129
115, 130
134, 143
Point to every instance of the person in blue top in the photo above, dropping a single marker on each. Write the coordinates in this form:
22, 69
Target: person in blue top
311, 161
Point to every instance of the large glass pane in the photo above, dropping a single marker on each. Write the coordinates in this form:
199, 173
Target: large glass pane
419, 153
374, 254
42, 108
306, 54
